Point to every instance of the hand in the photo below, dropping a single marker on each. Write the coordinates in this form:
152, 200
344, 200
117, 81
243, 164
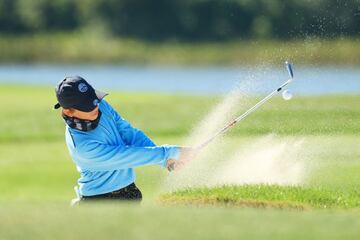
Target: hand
171, 165
186, 154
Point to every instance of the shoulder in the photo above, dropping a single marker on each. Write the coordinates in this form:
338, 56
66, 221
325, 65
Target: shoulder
75, 137
73, 134
105, 107
81, 141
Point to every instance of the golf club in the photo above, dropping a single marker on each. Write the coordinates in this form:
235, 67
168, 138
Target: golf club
252, 109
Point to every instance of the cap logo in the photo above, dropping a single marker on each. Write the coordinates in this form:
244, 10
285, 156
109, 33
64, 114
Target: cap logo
95, 102
82, 87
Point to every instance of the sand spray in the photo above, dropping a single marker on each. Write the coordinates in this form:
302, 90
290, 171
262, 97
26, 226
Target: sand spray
228, 160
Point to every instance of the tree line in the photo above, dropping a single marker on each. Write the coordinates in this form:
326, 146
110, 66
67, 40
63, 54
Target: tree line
185, 20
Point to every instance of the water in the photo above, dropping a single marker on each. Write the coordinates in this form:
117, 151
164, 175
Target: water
190, 80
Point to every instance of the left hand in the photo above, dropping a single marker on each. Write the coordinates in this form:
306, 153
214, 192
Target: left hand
186, 154
171, 165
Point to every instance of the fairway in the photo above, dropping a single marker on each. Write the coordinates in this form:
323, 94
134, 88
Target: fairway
37, 175
248, 111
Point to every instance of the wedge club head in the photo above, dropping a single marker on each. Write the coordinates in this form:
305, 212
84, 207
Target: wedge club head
289, 69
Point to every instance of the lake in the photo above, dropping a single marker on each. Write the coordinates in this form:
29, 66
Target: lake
309, 80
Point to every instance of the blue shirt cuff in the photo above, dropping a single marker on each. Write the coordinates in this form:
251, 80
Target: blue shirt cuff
172, 152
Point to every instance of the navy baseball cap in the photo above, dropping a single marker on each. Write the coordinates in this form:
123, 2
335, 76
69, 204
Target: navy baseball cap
75, 92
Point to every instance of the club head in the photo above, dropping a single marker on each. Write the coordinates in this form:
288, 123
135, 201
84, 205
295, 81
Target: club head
289, 68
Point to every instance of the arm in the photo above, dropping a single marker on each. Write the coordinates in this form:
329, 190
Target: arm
96, 156
131, 136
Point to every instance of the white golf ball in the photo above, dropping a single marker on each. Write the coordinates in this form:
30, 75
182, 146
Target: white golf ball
287, 95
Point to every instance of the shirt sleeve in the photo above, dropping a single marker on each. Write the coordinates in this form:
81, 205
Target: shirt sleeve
130, 135
96, 156
133, 136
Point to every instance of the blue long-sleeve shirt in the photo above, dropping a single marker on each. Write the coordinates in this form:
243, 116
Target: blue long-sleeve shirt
106, 156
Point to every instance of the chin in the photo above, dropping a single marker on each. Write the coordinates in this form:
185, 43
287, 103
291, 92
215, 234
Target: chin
94, 117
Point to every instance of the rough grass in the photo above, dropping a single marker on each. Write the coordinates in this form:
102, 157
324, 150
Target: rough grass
266, 196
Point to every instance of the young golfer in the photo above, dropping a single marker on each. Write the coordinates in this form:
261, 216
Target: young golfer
104, 146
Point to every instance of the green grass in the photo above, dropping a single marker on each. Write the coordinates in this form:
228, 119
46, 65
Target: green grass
51, 221
37, 174
32, 117
266, 196
84, 47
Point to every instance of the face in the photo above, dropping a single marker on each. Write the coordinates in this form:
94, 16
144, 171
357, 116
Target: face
82, 115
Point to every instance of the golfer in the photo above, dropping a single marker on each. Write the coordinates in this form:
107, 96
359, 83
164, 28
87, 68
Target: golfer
104, 146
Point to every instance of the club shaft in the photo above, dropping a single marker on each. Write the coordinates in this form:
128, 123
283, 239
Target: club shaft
244, 115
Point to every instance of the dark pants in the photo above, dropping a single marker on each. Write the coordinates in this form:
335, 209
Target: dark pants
129, 193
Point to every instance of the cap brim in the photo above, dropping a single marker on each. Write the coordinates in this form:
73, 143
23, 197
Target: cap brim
100, 95
56, 106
